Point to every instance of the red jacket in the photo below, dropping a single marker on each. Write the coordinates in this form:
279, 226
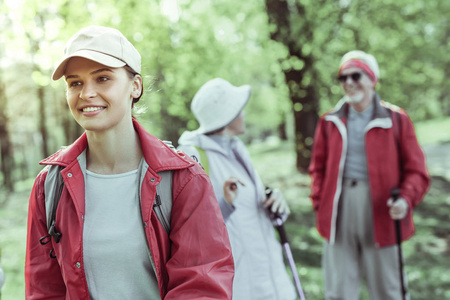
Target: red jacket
383, 160
195, 262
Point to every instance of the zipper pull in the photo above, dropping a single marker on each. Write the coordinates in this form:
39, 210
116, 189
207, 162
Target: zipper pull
157, 200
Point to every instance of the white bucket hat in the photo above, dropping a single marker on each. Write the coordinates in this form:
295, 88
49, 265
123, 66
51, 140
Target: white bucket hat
104, 45
217, 103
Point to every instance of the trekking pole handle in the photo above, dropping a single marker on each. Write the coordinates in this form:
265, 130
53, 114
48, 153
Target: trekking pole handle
395, 193
275, 217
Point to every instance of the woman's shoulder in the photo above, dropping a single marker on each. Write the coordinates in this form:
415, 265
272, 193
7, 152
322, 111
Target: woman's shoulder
67, 154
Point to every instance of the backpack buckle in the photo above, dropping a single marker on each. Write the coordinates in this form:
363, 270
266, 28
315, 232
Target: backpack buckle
45, 239
55, 234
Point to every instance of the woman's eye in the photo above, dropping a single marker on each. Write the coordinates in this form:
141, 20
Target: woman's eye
103, 78
74, 84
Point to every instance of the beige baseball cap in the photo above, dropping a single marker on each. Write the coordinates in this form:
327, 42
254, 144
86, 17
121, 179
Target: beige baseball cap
104, 45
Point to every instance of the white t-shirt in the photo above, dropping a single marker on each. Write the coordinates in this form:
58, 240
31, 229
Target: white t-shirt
115, 251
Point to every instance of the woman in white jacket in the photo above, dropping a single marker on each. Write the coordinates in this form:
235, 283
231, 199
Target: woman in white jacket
260, 272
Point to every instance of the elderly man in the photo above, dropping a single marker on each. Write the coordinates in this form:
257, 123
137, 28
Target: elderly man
363, 149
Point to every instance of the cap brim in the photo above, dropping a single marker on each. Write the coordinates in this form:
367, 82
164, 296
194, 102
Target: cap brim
98, 57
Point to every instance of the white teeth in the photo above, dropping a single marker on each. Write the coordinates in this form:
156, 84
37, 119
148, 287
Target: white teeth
91, 108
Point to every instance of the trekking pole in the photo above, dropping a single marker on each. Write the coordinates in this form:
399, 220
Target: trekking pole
395, 193
277, 221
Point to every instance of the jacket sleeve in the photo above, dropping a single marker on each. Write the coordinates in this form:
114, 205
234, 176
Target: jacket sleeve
201, 264
43, 279
415, 179
318, 163
226, 208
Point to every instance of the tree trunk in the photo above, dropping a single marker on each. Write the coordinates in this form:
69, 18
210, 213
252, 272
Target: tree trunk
6, 153
42, 118
282, 132
305, 125
304, 98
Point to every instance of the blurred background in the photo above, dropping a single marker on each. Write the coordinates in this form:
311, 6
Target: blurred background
287, 50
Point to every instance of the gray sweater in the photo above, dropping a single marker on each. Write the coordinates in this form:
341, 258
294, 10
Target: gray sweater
356, 160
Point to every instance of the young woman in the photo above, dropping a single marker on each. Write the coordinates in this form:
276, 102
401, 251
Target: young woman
113, 246
260, 270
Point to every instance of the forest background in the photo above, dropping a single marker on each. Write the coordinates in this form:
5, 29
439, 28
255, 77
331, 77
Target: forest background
288, 51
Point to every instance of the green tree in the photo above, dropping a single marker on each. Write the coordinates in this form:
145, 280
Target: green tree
288, 51
6, 153
6, 149
299, 72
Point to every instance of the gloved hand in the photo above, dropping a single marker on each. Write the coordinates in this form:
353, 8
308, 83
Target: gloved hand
277, 203
398, 209
230, 189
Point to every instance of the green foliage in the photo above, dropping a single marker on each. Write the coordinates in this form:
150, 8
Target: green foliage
408, 38
185, 43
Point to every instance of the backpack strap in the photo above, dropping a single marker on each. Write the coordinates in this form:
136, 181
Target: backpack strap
397, 124
163, 199
54, 185
203, 159
397, 127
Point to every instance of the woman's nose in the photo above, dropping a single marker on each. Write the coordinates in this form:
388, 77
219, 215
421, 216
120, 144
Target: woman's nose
88, 91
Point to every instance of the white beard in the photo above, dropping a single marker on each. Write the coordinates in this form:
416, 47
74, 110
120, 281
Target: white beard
356, 98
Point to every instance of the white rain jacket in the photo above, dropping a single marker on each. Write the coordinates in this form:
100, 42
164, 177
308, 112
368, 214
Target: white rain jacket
260, 272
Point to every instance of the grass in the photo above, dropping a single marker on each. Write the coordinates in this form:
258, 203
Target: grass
433, 131
427, 254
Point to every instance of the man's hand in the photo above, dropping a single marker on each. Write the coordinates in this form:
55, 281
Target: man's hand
277, 203
398, 209
230, 189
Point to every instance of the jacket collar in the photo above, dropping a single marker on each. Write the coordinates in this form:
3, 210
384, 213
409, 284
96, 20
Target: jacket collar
157, 154
220, 144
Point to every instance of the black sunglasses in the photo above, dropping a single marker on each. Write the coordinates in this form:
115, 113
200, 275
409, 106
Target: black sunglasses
355, 77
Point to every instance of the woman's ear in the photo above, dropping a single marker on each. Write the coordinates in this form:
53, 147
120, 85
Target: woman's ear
137, 86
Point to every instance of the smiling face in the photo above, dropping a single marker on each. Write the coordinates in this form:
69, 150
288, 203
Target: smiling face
359, 92
100, 97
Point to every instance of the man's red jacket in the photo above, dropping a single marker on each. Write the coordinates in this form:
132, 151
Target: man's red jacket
394, 159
